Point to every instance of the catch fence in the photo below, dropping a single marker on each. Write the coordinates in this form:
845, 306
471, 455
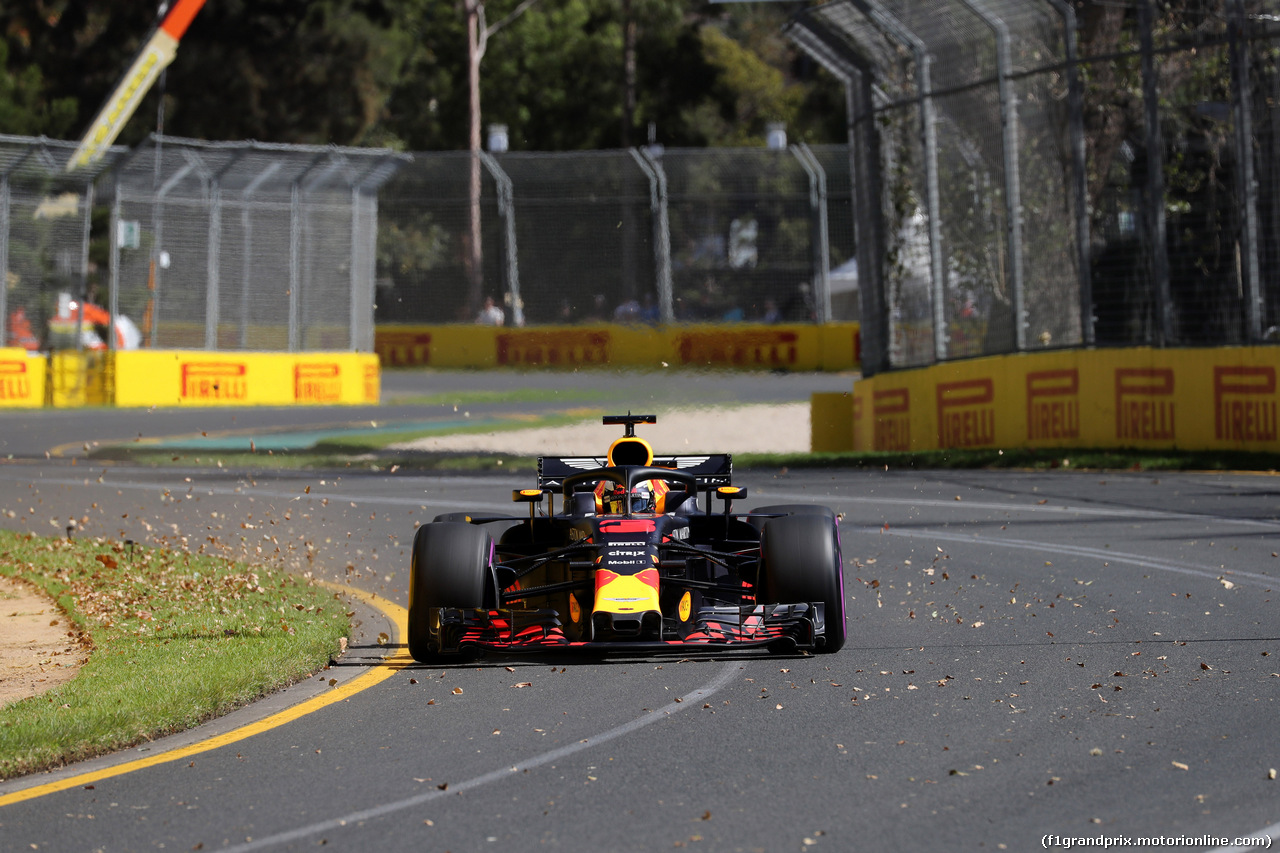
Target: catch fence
45, 224
248, 246
634, 235
244, 245
1036, 174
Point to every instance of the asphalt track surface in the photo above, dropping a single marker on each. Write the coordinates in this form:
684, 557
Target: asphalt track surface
1072, 654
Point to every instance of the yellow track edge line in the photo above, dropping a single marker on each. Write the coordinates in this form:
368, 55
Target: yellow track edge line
388, 667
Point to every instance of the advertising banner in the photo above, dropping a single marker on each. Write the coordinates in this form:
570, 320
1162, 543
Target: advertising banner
744, 346
22, 379
1220, 398
201, 378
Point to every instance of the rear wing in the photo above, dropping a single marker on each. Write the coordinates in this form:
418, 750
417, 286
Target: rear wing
710, 471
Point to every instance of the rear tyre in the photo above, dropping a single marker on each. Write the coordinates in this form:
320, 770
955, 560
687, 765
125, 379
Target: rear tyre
800, 561
789, 509
450, 567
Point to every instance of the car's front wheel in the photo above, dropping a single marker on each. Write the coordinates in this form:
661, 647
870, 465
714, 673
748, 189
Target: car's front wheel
450, 566
758, 522
800, 561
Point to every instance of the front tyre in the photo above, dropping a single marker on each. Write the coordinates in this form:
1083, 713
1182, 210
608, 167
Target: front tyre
449, 567
789, 509
800, 561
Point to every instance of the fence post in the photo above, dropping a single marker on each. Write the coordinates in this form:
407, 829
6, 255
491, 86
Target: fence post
157, 229
1245, 182
1155, 220
246, 238
1079, 175
295, 259
507, 210
113, 277
869, 224
4, 258
890, 25
820, 238
1012, 174
213, 259
652, 168
86, 227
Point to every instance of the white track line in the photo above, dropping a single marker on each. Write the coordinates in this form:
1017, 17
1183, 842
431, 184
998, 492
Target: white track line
1175, 566
1067, 509
711, 687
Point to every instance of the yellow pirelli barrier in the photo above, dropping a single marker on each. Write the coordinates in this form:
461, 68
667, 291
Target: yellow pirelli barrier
204, 378
1224, 398
740, 346
22, 379
77, 378
831, 422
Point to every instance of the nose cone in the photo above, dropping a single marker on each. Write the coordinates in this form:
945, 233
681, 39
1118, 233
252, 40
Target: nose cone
626, 606
617, 593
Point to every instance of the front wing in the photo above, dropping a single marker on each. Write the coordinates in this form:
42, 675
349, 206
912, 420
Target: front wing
713, 627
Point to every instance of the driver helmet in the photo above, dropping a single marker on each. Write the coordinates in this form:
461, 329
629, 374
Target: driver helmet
641, 498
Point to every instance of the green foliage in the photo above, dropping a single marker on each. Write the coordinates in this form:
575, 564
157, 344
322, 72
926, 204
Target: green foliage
24, 109
393, 73
412, 244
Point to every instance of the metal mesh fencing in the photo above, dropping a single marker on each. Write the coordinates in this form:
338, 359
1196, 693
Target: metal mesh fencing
629, 235
425, 264
742, 245
1032, 196
245, 245
585, 236
273, 247
841, 250
44, 242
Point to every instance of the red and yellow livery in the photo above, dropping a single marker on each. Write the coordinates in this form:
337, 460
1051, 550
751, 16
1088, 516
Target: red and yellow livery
632, 560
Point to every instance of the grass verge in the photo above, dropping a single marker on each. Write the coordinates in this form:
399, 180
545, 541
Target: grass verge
515, 395
343, 451
373, 442
177, 639
311, 461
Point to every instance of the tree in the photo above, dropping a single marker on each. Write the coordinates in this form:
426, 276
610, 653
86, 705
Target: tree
478, 33
24, 109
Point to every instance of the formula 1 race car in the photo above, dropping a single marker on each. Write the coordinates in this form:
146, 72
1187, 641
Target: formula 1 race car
630, 562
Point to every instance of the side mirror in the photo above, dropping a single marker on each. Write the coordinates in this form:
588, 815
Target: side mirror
530, 497
729, 494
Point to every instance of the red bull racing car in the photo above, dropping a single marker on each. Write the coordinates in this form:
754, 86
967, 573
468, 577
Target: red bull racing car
631, 560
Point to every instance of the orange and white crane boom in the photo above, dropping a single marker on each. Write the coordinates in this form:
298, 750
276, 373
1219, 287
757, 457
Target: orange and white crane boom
157, 52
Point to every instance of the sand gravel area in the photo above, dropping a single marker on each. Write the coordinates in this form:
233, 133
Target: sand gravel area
38, 649
764, 428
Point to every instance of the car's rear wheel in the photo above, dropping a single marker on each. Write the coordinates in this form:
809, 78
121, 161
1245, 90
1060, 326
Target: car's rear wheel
449, 567
800, 561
